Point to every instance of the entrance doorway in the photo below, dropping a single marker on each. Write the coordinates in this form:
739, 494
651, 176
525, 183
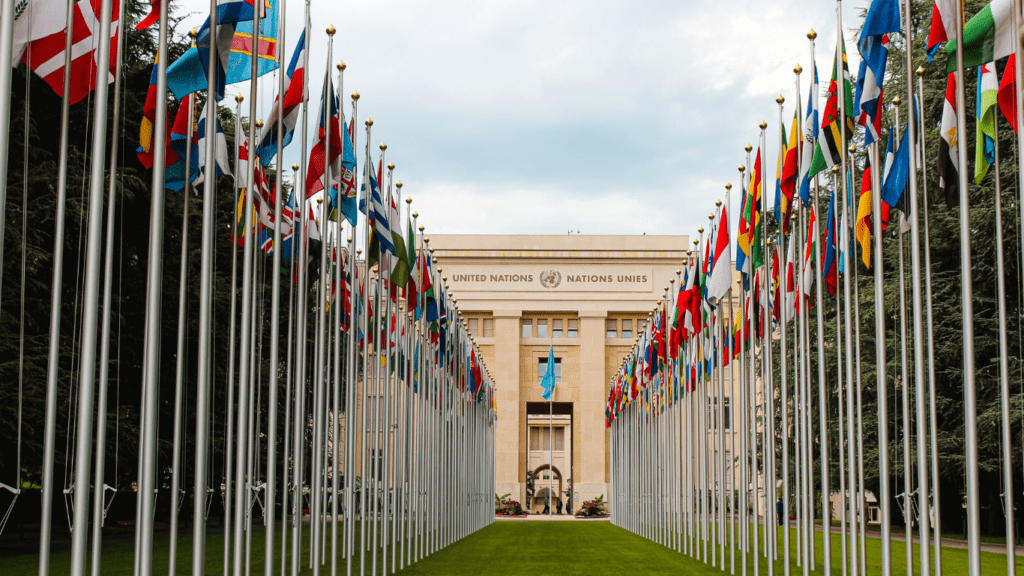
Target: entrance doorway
550, 456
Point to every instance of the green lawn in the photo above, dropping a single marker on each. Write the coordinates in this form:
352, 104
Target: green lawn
585, 548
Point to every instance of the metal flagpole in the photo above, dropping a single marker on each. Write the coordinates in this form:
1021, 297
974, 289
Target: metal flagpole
356, 324
784, 280
848, 263
205, 351
99, 483
154, 283
1004, 387
179, 368
931, 339
275, 320
966, 292
288, 376
883, 394
53, 350
335, 329
230, 431
241, 488
732, 390
364, 452
385, 408
301, 338
90, 302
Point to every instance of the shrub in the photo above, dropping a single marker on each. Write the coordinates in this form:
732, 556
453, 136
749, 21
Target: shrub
592, 508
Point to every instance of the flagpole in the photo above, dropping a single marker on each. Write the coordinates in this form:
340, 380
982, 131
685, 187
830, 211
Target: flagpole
966, 293
99, 484
298, 444
230, 430
179, 371
246, 327
339, 291
203, 375
364, 444
53, 350
783, 279
359, 310
732, 390
905, 392
154, 283
797, 351
843, 225
275, 308
880, 353
1004, 384
287, 448
931, 338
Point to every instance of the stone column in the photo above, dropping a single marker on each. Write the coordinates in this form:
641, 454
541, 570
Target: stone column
506, 375
590, 410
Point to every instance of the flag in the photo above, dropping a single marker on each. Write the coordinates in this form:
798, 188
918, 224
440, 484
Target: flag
988, 36
46, 55
381, 228
789, 174
985, 150
548, 383
318, 155
36, 19
1008, 92
223, 164
943, 25
752, 215
949, 165
400, 265
808, 274
776, 294
809, 140
146, 126
791, 279
897, 171
882, 18
720, 279
295, 93
828, 264
868, 100
743, 241
234, 38
152, 18
779, 208
829, 150
175, 174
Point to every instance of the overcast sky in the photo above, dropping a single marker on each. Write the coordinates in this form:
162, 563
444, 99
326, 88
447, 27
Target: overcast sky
540, 117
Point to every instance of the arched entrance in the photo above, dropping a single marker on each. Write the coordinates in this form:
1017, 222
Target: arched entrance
546, 478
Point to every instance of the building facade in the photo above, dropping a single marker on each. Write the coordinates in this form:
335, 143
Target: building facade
585, 297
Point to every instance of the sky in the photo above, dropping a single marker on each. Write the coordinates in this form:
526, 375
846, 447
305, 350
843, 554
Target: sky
541, 117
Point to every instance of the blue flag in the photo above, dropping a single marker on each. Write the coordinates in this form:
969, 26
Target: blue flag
548, 383
897, 170
234, 42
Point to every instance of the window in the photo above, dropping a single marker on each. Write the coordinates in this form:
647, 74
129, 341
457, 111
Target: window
573, 328
527, 328
542, 368
540, 439
556, 328
488, 327
611, 329
472, 326
542, 328
728, 415
627, 328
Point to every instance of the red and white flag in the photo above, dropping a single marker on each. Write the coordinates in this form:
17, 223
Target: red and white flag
35, 19
46, 55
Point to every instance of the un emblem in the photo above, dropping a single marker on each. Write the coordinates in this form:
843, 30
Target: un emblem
550, 279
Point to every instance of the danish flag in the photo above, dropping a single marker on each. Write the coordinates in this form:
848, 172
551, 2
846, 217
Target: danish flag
46, 55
